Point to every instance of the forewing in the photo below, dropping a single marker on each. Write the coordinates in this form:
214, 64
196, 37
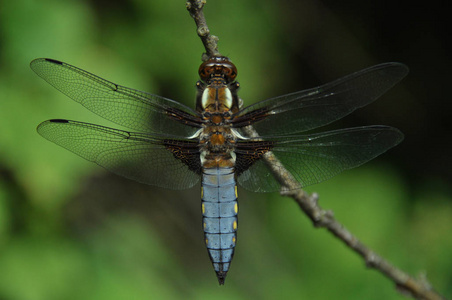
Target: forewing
313, 158
309, 109
162, 161
125, 106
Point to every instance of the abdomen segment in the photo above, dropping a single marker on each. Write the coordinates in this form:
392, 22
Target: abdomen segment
219, 210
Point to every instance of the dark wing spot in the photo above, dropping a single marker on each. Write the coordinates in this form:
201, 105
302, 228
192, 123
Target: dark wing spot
58, 121
54, 61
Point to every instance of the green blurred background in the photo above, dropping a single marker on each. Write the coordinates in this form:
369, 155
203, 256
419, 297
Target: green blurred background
70, 230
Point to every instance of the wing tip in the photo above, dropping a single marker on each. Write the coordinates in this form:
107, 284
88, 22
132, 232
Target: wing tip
397, 69
43, 124
50, 60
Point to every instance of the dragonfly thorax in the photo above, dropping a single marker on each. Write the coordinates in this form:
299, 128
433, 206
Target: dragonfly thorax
216, 99
215, 139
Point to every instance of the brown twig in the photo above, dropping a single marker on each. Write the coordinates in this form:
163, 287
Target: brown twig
210, 41
416, 288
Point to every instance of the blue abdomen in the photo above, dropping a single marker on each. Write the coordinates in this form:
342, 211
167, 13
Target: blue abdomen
219, 210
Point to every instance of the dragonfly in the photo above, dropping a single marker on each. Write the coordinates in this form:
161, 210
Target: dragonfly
220, 142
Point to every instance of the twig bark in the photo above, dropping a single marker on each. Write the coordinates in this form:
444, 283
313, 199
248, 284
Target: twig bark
195, 8
417, 288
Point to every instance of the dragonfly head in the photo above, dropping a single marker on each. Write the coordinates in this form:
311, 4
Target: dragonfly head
218, 68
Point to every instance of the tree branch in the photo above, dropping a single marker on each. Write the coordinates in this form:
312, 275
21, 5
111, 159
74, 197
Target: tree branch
195, 7
417, 288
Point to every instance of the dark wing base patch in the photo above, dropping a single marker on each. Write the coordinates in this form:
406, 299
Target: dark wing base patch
188, 153
249, 152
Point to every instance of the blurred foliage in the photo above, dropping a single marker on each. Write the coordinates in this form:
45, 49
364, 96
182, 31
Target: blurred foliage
69, 230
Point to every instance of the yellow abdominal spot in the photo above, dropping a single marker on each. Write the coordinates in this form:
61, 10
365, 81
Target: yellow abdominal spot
204, 225
203, 208
236, 208
207, 241
233, 240
202, 192
235, 188
234, 225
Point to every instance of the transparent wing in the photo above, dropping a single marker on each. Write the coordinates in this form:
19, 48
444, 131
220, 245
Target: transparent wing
322, 105
125, 106
314, 158
163, 161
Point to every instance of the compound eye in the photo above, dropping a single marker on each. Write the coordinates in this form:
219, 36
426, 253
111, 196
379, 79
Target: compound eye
232, 71
218, 66
202, 74
205, 71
